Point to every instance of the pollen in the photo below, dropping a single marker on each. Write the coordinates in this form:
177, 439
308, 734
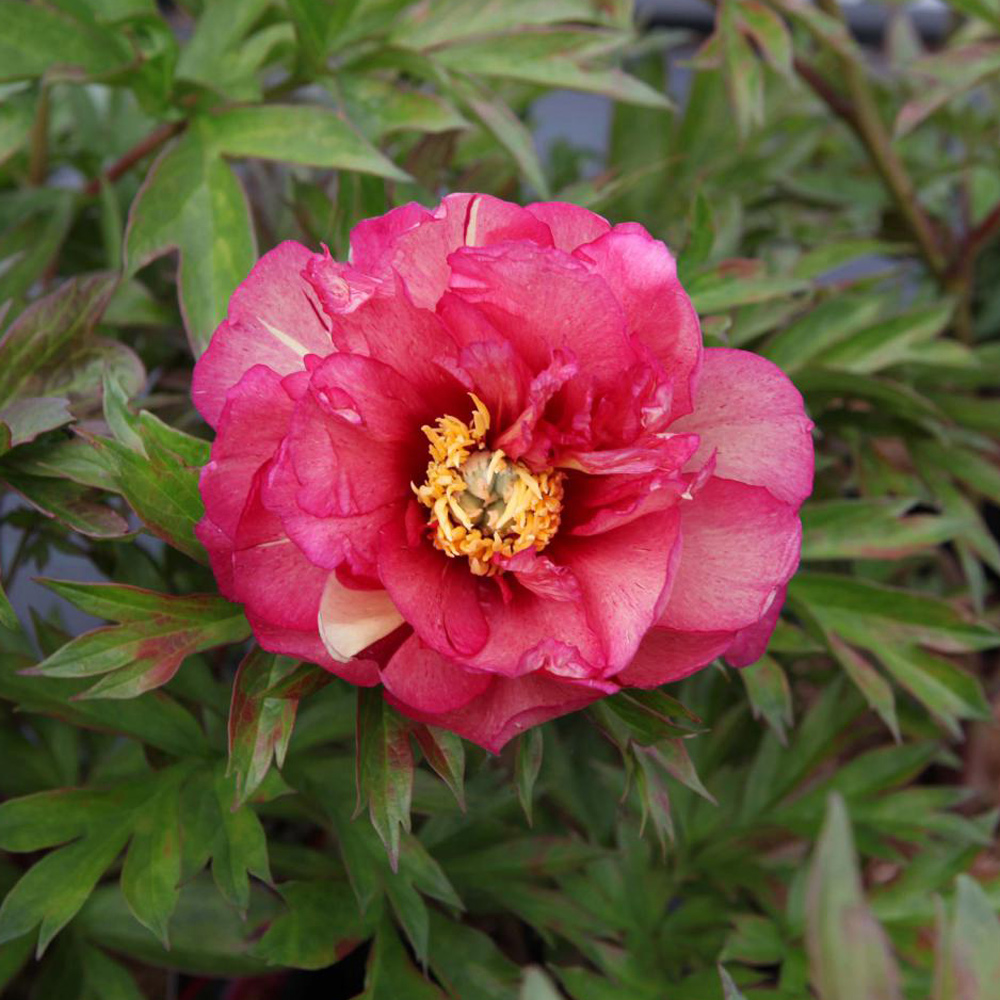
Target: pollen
482, 505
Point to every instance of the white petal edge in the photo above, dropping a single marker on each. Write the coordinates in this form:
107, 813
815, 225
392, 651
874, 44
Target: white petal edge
351, 620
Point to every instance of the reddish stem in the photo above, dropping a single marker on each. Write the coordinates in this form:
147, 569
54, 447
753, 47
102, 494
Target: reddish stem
128, 160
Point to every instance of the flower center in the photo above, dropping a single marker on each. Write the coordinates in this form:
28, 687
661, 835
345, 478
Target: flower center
482, 504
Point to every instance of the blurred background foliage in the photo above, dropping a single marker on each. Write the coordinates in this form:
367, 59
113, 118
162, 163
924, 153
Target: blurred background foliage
179, 812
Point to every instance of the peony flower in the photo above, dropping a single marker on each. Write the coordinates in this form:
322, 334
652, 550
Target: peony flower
488, 464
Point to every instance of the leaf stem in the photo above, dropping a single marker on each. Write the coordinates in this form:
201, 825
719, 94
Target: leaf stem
870, 129
141, 149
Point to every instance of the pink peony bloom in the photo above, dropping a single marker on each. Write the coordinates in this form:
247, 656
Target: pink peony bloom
488, 464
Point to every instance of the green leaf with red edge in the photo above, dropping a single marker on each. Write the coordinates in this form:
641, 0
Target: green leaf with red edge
648, 716
527, 764
384, 769
260, 726
69, 503
967, 952
770, 694
673, 757
445, 752
321, 924
770, 33
155, 634
390, 974
849, 955
654, 797
876, 689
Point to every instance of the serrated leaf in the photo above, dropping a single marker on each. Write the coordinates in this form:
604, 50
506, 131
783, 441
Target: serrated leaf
157, 632
849, 954
384, 769
260, 726
445, 752
238, 847
527, 764
192, 202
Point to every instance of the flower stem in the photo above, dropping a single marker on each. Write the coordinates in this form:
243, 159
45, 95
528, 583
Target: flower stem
128, 160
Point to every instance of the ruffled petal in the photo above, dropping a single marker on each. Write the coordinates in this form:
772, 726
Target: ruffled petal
625, 576
643, 275
570, 225
274, 319
668, 655
508, 707
423, 680
740, 547
750, 643
750, 414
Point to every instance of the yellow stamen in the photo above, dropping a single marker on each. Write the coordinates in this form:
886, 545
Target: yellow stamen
482, 505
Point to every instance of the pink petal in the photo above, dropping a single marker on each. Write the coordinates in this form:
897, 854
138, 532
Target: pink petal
625, 577
643, 275
748, 411
602, 503
667, 655
750, 643
740, 546
219, 547
542, 576
544, 301
274, 320
508, 707
569, 225
425, 681
251, 427
437, 595
416, 243
351, 620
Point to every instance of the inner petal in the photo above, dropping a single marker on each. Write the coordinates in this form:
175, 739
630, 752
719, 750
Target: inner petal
483, 505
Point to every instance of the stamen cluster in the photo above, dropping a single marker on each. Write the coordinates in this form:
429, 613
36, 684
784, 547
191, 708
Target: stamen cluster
482, 504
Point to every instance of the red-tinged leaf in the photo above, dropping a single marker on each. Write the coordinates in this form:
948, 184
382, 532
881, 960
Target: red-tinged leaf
770, 34
527, 764
654, 798
876, 689
445, 752
849, 955
157, 633
260, 726
967, 959
69, 503
673, 757
384, 769
770, 695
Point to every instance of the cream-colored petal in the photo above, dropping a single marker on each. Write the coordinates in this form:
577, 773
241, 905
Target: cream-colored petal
351, 620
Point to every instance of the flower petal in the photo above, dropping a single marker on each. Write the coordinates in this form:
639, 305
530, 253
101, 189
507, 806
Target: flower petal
351, 620
423, 680
740, 546
750, 414
668, 655
751, 643
570, 225
274, 319
643, 274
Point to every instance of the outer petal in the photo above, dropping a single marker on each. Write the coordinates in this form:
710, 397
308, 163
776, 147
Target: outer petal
667, 655
625, 576
750, 643
274, 319
643, 275
750, 414
425, 681
740, 547
251, 428
351, 620
570, 225
508, 707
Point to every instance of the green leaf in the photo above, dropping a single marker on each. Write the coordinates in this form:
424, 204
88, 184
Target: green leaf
22, 421
967, 959
312, 136
527, 764
849, 954
15, 126
69, 503
157, 632
51, 892
152, 870
728, 287
536, 985
384, 769
8, 617
390, 974
876, 689
192, 202
770, 695
259, 726
445, 752
320, 926
871, 529
549, 58
468, 962
43, 332
729, 988
37, 41
770, 34
869, 614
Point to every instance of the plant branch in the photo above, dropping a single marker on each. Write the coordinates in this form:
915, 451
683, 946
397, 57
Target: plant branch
976, 241
141, 149
867, 123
